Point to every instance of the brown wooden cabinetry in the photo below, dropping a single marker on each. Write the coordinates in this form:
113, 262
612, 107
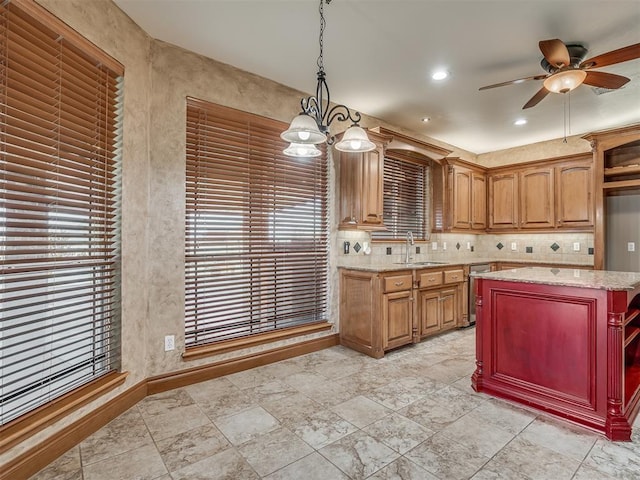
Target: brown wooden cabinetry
360, 186
378, 311
503, 201
439, 300
574, 194
550, 195
537, 198
466, 196
616, 158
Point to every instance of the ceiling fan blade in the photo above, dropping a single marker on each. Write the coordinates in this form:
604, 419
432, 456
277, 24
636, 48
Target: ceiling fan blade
543, 92
605, 80
513, 82
555, 52
620, 55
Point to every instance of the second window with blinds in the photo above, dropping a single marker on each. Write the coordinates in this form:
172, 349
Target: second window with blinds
256, 253
405, 205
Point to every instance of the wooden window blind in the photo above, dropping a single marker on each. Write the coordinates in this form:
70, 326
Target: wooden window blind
59, 210
404, 200
256, 247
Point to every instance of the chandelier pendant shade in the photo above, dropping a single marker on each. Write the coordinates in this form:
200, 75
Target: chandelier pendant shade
311, 126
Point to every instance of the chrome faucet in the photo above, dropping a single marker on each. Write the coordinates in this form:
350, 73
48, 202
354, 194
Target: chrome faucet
410, 241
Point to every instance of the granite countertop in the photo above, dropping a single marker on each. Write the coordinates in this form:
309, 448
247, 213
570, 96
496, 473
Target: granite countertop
392, 267
600, 279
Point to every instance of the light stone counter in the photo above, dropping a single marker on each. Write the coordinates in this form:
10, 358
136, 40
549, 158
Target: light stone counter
599, 279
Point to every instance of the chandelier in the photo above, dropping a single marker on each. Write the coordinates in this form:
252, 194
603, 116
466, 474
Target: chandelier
311, 126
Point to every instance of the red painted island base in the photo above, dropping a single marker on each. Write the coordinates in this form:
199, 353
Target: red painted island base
570, 351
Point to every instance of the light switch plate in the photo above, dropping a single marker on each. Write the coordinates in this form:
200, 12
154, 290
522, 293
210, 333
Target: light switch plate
444, 245
514, 246
434, 245
631, 246
576, 246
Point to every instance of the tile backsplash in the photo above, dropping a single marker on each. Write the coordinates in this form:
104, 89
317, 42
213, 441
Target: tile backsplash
575, 248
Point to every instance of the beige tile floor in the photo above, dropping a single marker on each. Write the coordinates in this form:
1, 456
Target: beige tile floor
337, 414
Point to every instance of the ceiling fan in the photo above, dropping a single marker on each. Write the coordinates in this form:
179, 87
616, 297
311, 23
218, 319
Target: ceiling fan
568, 69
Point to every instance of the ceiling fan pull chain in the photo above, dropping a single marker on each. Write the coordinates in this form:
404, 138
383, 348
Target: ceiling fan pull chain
564, 119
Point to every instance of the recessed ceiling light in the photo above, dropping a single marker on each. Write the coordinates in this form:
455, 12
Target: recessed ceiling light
440, 75
520, 121
426, 119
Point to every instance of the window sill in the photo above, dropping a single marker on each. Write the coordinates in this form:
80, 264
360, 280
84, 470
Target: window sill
194, 353
26, 425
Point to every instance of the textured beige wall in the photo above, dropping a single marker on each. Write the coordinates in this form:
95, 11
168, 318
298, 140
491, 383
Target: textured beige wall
158, 77
106, 26
535, 151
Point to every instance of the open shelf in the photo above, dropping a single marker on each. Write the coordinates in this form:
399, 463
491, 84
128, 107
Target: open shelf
622, 170
631, 381
621, 184
630, 334
632, 315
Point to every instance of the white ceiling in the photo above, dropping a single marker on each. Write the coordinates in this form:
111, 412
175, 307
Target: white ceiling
379, 55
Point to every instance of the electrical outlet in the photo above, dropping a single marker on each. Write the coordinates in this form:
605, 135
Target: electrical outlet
444, 245
576, 246
434, 245
514, 246
169, 343
631, 247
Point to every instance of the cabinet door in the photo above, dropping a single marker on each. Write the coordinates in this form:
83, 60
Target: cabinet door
461, 198
428, 312
350, 209
503, 201
574, 195
449, 308
478, 201
537, 198
397, 319
372, 179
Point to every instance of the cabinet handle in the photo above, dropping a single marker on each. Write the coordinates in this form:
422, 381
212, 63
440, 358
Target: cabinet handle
455, 277
399, 284
431, 280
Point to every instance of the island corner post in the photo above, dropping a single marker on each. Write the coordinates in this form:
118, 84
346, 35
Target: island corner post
568, 347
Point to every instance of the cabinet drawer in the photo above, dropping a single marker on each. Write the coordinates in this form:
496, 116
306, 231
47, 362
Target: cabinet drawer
430, 279
454, 276
397, 283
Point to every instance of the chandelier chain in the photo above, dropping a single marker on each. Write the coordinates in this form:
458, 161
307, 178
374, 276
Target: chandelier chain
323, 24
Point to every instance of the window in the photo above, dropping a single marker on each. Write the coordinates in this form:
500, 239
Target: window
256, 247
59, 214
405, 199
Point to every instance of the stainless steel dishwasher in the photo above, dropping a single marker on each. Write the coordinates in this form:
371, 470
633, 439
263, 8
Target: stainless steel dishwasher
479, 268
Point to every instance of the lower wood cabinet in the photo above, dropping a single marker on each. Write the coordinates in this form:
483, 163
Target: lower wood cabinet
437, 310
380, 311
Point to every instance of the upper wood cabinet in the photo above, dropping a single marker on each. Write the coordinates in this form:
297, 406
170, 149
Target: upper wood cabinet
503, 201
574, 194
466, 196
360, 186
537, 198
549, 195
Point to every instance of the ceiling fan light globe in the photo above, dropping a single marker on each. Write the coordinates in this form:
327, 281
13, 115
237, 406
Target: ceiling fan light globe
355, 139
303, 130
565, 81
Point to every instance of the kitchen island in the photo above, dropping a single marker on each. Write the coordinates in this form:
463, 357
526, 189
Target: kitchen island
563, 341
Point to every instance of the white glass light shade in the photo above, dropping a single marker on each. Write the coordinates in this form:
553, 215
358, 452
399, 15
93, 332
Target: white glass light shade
563, 82
355, 139
302, 150
303, 129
